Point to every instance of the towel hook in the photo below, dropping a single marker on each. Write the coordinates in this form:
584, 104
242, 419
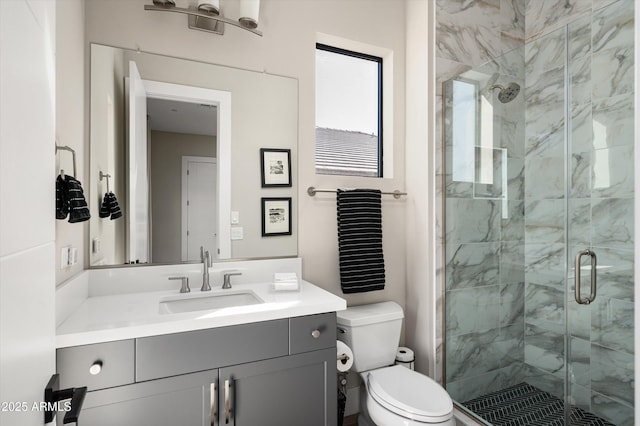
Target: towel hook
66, 148
105, 176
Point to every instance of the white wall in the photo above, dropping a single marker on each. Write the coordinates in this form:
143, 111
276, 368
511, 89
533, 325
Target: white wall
421, 321
70, 119
288, 48
27, 207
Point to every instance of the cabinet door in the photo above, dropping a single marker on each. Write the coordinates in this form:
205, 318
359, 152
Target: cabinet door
182, 400
298, 390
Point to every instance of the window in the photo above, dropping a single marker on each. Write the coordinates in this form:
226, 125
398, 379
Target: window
348, 112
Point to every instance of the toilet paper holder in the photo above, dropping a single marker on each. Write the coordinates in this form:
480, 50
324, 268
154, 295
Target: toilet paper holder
343, 357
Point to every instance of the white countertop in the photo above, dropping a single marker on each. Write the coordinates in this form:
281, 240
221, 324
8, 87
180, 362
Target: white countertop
126, 316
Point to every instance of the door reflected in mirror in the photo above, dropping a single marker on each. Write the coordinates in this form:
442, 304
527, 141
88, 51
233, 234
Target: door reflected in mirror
174, 135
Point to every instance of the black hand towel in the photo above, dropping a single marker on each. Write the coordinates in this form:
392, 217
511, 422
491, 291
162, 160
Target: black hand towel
360, 240
110, 207
74, 197
62, 205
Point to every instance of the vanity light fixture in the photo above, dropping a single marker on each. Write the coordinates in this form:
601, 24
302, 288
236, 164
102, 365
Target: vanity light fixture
208, 17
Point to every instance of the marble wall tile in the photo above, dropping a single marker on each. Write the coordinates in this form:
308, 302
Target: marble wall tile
472, 309
545, 53
613, 122
512, 260
581, 172
545, 16
544, 307
612, 223
579, 38
515, 178
580, 396
616, 412
512, 305
544, 350
512, 23
581, 122
544, 263
472, 265
545, 118
544, 221
472, 221
598, 4
468, 32
580, 81
580, 362
613, 72
579, 223
612, 172
612, 374
579, 317
465, 358
447, 69
552, 383
513, 224
544, 178
615, 273
612, 324
613, 27
467, 389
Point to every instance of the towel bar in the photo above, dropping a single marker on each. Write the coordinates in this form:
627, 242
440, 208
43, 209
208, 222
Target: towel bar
312, 191
66, 148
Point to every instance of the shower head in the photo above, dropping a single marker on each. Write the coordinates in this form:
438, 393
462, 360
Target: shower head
507, 93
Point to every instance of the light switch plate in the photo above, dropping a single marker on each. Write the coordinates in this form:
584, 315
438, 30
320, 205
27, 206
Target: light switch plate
64, 257
237, 233
235, 218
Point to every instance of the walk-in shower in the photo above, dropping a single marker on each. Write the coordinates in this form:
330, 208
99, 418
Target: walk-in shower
537, 181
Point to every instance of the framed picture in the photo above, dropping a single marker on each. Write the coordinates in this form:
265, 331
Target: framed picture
275, 165
276, 216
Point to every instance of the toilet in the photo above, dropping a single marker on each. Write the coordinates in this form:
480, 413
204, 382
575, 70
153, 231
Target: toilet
391, 395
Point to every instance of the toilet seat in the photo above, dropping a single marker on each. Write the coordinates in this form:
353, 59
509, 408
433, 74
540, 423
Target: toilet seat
410, 394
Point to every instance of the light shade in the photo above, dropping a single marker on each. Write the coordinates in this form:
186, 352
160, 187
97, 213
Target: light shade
249, 12
209, 6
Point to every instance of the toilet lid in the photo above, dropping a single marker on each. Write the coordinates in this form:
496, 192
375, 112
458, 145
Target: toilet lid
410, 394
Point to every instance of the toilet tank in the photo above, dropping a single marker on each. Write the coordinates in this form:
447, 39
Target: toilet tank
372, 332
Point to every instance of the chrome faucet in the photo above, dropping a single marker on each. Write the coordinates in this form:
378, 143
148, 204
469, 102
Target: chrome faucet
205, 257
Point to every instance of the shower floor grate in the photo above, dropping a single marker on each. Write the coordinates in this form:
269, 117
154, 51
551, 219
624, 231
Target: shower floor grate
527, 405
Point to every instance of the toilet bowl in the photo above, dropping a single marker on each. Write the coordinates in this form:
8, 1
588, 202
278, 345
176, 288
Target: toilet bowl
391, 395
398, 396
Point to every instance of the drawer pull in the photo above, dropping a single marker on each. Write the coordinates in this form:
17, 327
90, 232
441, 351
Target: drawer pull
227, 401
315, 334
95, 368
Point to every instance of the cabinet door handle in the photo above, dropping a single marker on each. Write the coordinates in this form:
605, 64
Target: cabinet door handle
227, 401
315, 334
213, 404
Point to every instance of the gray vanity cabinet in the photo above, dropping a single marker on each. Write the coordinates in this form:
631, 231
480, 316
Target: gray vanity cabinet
279, 373
287, 391
180, 400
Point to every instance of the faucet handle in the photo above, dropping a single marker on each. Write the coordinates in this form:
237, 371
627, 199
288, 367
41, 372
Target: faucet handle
185, 284
226, 279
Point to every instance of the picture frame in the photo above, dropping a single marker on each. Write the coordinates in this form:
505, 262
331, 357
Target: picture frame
275, 167
276, 216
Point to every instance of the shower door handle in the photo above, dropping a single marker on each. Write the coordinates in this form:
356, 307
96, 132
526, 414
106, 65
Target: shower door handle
594, 262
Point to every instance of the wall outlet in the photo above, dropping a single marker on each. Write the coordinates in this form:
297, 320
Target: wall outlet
73, 256
64, 257
237, 233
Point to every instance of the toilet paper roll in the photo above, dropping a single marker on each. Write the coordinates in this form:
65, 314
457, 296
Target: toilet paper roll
345, 356
405, 355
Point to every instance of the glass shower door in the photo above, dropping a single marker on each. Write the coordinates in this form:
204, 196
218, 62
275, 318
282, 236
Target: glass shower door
600, 206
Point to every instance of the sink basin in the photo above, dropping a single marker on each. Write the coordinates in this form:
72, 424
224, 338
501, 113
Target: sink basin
207, 302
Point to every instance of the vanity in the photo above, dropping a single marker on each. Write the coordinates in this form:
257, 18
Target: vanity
270, 362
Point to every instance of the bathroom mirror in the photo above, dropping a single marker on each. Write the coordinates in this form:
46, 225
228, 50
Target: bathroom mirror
178, 144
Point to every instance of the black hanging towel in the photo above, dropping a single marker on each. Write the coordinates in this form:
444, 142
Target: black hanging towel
360, 240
